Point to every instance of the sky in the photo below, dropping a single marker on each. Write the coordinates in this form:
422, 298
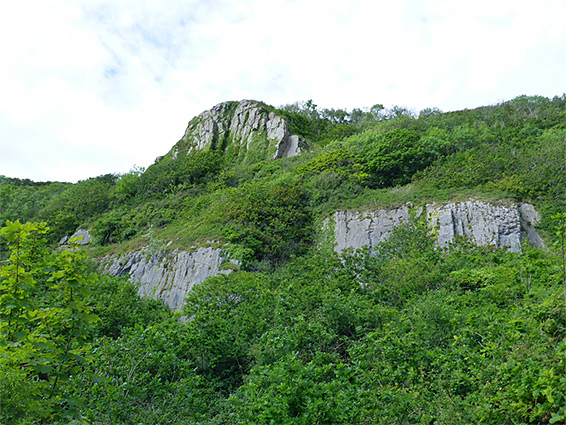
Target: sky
90, 87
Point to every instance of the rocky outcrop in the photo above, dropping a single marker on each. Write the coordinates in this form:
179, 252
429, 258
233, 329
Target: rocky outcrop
289, 148
81, 237
355, 230
243, 127
168, 277
500, 225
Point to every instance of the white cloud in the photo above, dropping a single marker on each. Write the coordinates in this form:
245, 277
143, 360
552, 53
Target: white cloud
95, 86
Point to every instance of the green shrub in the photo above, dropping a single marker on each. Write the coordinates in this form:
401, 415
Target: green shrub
265, 224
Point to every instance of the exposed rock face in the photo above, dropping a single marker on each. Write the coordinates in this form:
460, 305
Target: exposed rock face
529, 219
167, 277
503, 226
170, 277
289, 148
245, 125
358, 229
82, 237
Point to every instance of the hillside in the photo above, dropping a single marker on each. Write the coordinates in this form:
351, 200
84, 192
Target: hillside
329, 266
349, 160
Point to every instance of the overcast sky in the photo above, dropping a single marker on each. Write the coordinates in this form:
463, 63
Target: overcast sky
89, 87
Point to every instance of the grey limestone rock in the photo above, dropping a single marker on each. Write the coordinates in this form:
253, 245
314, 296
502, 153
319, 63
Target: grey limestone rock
358, 229
529, 218
484, 223
245, 124
82, 237
288, 148
169, 277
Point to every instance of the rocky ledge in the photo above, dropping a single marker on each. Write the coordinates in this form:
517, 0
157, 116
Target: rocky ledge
170, 277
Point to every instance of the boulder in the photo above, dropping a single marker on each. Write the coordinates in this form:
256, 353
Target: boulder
81, 237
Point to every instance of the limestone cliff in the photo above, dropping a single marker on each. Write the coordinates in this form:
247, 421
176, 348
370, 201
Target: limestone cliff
245, 130
169, 277
500, 225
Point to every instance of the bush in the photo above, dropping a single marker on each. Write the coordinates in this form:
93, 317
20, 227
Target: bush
265, 224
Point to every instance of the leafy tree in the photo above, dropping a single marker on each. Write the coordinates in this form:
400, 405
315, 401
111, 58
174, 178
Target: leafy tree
321, 391
116, 302
44, 322
429, 112
390, 158
25, 201
336, 116
77, 205
127, 184
173, 174
144, 376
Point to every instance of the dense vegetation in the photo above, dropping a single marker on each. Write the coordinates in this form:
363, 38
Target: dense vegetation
408, 334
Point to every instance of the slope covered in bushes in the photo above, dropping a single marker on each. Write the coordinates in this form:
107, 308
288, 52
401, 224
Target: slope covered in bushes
299, 335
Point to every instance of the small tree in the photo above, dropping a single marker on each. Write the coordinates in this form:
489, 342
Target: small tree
44, 322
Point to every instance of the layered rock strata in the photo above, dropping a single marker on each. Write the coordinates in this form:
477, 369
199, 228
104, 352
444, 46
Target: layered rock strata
245, 125
500, 225
169, 277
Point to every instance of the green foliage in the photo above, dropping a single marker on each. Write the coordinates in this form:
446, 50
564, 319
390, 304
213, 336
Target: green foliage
127, 184
77, 205
560, 244
143, 377
227, 316
338, 132
44, 322
321, 391
118, 306
25, 200
325, 348
174, 174
109, 228
517, 147
390, 158
407, 333
339, 160
304, 119
265, 224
